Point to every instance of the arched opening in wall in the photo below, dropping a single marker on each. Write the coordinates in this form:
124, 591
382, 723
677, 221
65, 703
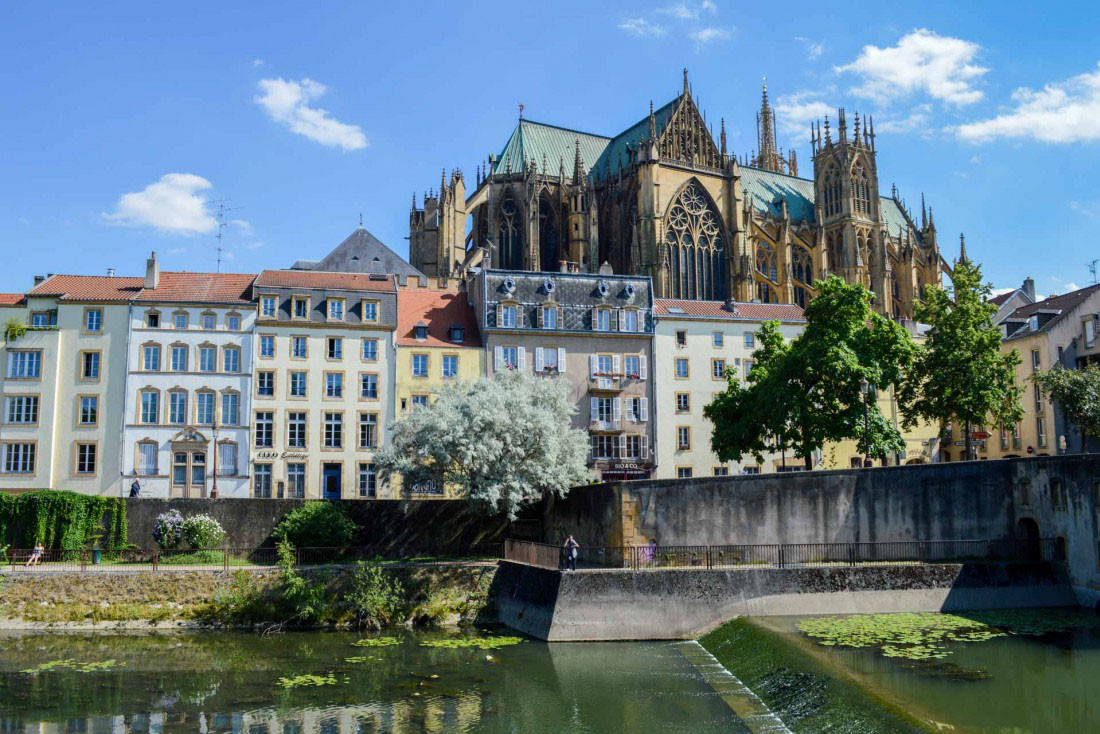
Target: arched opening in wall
550, 255
856, 462
917, 460
509, 236
802, 269
1027, 533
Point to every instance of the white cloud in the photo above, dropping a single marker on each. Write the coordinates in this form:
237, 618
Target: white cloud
173, 204
1063, 112
642, 28
1085, 208
922, 61
795, 112
1064, 286
814, 49
241, 225
257, 63
710, 7
915, 121
680, 10
287, 102
703, 36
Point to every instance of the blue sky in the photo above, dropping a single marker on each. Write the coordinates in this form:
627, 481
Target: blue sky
119, 120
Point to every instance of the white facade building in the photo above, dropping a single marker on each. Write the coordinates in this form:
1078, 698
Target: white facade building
189, 385
696, 342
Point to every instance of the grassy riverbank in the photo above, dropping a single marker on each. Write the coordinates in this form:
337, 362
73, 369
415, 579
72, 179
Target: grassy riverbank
418, 595
803, 694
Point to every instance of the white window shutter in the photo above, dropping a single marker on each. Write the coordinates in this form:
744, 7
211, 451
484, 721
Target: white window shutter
645, 409
561, 360
538, 316
622, 447
540, 361
595, 320
592, 445
617, 409
594, 409
641, 367
592, 362
498, 358
616, 319
500, 314
645, 447
559, 319
521, 358
617, 363
640, 324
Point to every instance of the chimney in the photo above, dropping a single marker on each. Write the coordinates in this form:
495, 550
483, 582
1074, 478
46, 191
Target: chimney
152, 272
110, 272
1029, 288
39, 280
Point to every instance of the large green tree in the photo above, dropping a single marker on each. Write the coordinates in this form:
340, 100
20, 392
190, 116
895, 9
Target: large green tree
1078, 394
960, 375
501, 442
807, 392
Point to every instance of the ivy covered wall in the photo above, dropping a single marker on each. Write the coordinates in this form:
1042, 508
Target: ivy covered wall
60, 519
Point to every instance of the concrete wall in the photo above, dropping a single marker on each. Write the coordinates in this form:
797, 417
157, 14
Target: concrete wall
683, 603
407, 524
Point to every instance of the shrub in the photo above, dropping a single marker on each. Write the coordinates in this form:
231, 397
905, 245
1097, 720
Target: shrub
168, 529
317, 524
375, 596
202, 532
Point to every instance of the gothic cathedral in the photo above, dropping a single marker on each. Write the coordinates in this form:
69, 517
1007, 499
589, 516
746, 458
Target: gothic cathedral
664, 199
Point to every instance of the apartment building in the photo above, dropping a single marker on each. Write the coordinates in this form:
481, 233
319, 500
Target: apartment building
593, 330
437, 343
695, 345
64, 385
1040, 332
323, 382
189, 385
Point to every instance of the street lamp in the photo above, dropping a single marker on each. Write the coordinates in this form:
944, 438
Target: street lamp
865, 389
214, 457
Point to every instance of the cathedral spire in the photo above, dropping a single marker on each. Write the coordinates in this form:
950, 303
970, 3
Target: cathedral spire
652, 123
768, 158
923, 213
687, 88
578, 165
723, 137
962, 248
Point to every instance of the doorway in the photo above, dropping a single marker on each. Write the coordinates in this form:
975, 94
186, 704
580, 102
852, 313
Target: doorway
1027, 532
330, 480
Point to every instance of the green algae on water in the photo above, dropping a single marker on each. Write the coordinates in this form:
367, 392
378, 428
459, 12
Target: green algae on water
308, 680
76, 666
377, 642
481, 643
927, 635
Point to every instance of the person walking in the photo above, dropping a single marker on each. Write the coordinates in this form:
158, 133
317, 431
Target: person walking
571, 546
135, 488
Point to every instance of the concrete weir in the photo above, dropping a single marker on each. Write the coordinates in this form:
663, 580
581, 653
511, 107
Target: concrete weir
678, 604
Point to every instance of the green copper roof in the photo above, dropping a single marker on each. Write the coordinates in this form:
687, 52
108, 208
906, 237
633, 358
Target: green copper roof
631, 137
535, 141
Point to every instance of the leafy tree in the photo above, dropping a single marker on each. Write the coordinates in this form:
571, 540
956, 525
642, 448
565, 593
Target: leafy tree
317, 524
805, 393
502, 442
1078, 392
960, 374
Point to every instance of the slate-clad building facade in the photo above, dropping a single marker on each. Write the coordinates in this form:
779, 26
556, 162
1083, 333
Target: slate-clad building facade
595, 331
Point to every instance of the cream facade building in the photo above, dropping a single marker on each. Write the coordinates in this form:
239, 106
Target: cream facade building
189, 385
323, 383
696, 343
64, 386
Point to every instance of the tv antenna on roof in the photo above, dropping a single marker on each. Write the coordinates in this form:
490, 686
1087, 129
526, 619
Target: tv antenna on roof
219, 214
1092, 268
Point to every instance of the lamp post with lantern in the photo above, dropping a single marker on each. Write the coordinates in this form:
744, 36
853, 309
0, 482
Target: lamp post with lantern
214, 458
865, 389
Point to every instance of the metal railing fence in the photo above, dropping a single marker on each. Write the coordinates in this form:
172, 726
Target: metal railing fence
788, 555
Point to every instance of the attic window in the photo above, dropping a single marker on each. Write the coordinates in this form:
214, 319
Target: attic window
376, 276
1033, 322
629, 290
675, 309
458, 334
421, 332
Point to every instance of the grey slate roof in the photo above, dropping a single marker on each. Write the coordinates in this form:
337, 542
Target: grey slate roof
357, 254
576, 293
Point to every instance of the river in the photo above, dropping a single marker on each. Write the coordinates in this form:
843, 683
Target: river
230, 682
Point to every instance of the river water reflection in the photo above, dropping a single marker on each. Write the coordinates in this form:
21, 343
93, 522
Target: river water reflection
228, 682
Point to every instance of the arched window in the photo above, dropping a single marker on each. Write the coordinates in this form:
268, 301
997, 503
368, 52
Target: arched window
550, 255
765, 292
861, 190
510, 236
802, 270
766, 263
831, 191
693, 235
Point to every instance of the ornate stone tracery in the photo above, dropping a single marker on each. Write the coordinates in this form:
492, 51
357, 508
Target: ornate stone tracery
695, 246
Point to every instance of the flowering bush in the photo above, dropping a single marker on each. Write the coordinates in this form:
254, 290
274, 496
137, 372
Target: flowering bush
168, 529
202, 532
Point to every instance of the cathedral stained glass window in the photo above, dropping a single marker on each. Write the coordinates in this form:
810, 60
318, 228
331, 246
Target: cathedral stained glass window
696, 252
510, 236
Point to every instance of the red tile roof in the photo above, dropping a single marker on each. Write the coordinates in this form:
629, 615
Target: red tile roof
315, 279
718, 310
440, 310
201, 288
89, 288
11, 299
